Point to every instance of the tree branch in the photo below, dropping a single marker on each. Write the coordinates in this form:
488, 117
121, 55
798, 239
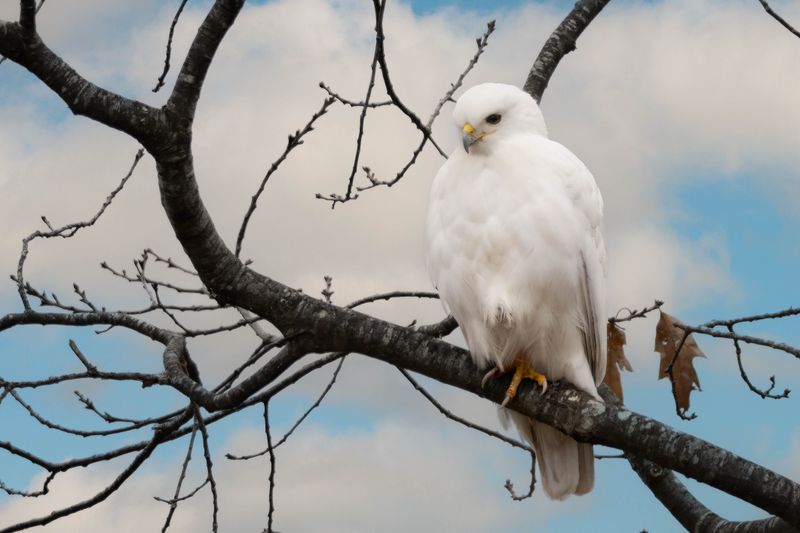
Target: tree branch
66, 232
133, 466
86, 319
560, 43
295, 140
690, 512
183, 100
777, 17
138, 120
325, 327
167, 56
27, 15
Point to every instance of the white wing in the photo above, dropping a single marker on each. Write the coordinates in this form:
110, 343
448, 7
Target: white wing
586, 197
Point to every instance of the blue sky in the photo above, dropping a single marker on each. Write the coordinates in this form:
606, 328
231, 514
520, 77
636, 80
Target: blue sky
737, 220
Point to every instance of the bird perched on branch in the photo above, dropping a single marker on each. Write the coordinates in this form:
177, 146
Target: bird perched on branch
515, 249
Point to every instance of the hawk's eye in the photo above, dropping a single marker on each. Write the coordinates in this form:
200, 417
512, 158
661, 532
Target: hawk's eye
494, 118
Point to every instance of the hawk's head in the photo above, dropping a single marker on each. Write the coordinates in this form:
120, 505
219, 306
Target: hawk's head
495, 110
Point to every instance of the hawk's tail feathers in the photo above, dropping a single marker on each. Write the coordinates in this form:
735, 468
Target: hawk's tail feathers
566, 466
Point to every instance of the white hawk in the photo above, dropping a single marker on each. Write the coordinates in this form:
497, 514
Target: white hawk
515, 249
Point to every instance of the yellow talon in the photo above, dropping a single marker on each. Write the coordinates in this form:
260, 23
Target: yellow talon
523, 370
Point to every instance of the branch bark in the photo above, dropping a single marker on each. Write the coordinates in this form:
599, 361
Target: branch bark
22, 45
183, 100
690, 512
560, 43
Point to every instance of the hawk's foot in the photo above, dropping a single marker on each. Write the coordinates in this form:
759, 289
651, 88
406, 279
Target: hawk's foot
522, 370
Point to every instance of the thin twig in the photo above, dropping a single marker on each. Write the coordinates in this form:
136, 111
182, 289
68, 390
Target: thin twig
510, 486
743, 338
316, 404
271, 467
30, 494
610, 456
451, 416
339, 98
764, 393
299, 421
173, 503
145, 452
380, 37
168, 54
58, 427
123, 274
111, 419
792, 311
393, 294
482, 42
148, 252
209, 468
67, 231
295, 140
259, 352
361, 122
634, 313
77, 351
780, 19
379, 62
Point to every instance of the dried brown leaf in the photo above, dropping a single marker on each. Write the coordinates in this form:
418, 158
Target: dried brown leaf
616, 359
668, 338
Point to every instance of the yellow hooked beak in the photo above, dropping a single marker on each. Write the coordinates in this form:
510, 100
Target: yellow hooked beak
470, 136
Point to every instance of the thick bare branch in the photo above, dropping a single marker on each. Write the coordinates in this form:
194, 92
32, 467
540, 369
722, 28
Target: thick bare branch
183, 100
560, 43
138, 120
690, 512
27, 15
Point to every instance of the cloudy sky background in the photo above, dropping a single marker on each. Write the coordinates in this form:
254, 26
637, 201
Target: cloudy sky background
685, 111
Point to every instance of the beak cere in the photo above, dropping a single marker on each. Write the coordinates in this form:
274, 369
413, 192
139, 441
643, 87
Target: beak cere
469, 136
